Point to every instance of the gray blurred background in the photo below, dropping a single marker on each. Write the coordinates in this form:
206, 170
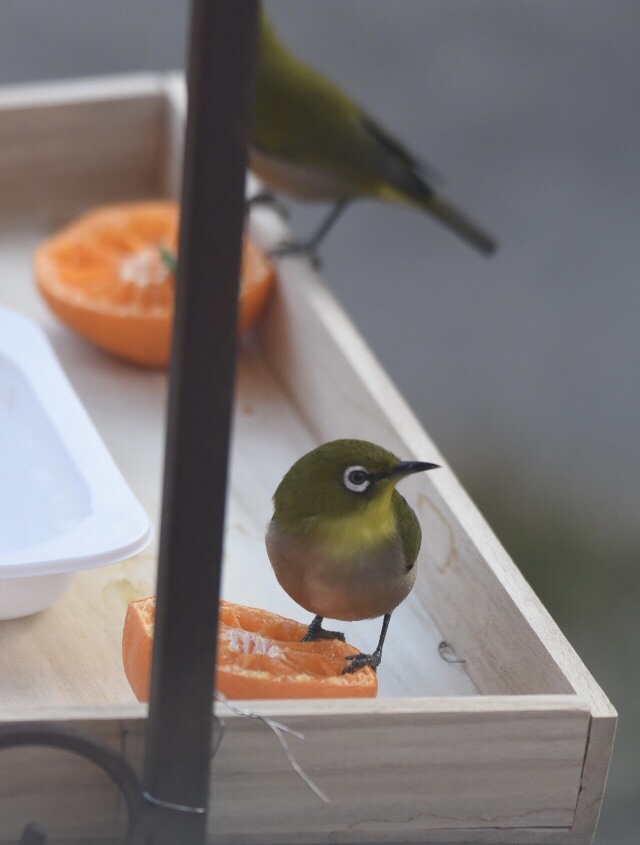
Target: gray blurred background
523, 367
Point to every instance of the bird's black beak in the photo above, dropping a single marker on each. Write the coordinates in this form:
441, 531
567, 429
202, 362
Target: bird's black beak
403, 468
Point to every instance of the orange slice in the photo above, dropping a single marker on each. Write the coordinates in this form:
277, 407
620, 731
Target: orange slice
104, 276
260, 655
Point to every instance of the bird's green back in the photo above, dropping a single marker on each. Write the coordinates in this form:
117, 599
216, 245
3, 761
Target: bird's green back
335, 135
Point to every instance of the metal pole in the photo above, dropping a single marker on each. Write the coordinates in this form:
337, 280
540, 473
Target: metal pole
178, 741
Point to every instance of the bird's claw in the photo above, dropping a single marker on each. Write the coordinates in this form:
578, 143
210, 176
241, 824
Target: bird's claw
359, 661
321, 634
269, 200
295, 248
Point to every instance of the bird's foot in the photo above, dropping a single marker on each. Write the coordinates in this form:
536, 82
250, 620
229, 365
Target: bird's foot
317, 632
359, 661
321, 634
266, 198
306, 249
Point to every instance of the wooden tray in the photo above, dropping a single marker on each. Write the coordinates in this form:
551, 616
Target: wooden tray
511, 746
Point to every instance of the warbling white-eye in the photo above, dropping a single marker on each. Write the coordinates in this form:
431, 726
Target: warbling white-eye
311, 141
343, 542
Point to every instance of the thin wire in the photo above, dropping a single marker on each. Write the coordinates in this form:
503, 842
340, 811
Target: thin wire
217, 738
279, 730
219, 735
169, 805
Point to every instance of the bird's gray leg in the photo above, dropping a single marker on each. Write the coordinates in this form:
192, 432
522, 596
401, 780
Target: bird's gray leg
357, 661
271, 201
310, 246
314, 241
317, 632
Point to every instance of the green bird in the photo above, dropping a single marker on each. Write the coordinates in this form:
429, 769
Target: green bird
311, 141
343, 542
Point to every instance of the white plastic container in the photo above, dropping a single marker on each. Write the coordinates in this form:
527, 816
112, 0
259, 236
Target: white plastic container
64, 506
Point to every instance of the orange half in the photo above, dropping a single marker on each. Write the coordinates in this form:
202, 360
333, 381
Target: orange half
104, 276
260, 655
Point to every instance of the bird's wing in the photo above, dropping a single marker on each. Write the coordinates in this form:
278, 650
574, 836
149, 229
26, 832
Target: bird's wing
397, 149
409, 528
304, 119
307, 125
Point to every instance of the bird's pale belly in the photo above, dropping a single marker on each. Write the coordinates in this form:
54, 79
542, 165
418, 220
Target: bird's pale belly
362, 586
296, 180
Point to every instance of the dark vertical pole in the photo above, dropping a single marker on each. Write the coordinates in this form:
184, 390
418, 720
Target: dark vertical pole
222, 51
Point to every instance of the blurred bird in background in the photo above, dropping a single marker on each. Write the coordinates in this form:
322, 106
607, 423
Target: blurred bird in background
312, 142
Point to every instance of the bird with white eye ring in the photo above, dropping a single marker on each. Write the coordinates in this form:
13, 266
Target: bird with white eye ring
342, 541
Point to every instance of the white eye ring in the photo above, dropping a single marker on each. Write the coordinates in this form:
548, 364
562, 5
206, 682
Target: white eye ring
356, 479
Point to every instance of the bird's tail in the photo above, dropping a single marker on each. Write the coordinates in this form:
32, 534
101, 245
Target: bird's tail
459, 223
426, 198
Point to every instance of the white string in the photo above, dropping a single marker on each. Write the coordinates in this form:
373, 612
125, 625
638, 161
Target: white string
279, 729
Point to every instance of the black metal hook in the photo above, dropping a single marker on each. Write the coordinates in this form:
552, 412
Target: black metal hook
56, 736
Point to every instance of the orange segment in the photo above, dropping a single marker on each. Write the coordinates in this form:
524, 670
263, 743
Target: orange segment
260, 655
105, 277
